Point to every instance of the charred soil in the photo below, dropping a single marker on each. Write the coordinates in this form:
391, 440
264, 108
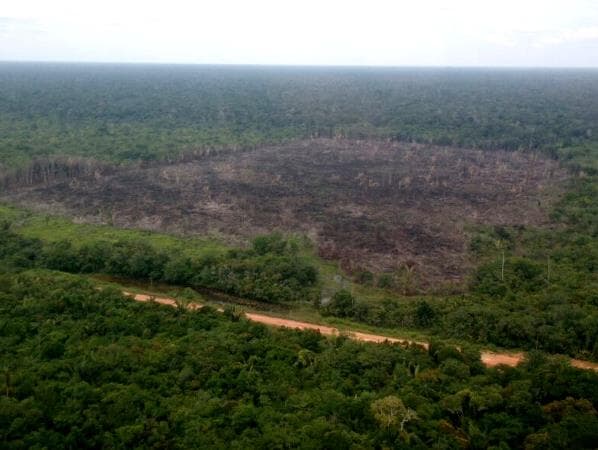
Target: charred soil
373, 205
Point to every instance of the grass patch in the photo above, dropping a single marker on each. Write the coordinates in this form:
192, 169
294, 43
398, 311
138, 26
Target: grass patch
50, 229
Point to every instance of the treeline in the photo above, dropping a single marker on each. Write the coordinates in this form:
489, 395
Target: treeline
550, 305
270, 271
534, 288
83, 368
546, 323
51, 169
128, 113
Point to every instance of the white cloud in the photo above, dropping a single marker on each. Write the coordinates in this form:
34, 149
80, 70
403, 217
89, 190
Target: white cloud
376, 32
569, 36
9, 25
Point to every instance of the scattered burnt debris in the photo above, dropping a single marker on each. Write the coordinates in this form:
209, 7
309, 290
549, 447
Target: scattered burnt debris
375, 205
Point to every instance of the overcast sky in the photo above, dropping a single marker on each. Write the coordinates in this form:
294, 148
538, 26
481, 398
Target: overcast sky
345, 32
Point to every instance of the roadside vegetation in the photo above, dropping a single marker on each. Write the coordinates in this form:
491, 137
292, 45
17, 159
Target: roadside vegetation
83, 368
271, 270
542, 298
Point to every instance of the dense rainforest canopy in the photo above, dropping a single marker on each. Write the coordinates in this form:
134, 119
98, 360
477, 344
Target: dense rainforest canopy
83, 367
130, 112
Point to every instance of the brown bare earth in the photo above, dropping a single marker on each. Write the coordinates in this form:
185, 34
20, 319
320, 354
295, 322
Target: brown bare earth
580, 364
489, 359
370, 204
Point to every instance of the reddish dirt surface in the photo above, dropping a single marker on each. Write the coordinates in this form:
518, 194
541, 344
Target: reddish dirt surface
328, 331
584, 364
163, 301
489, 359
149, 298
375, 205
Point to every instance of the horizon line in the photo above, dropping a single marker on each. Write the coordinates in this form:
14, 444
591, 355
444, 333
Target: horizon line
284, 65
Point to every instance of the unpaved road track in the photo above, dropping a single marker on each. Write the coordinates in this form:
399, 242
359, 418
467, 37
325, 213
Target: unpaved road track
287, 323
489, 359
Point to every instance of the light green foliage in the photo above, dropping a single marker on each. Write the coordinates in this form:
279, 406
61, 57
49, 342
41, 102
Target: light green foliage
49, 228
390, 412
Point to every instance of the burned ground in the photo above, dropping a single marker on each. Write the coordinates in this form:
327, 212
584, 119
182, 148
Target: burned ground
369, 204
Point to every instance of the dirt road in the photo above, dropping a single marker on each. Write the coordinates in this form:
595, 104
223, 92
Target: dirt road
489, 359
328, 331
492, 359
286, 323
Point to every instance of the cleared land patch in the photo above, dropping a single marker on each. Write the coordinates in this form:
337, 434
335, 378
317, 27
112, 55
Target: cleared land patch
373, 205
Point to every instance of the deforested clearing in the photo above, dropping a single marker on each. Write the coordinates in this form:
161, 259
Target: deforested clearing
371, 204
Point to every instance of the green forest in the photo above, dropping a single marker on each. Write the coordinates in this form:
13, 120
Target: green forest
144, 112
81, 366
84, 368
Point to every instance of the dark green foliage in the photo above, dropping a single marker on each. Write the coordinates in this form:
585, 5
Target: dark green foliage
424, 314
551, 319
144, 112
136, 260
266, 277
61, 256
365, 277
93, 257
273, 243
271, 271
17, 252
521, 276
84, 368
385, 281
341, 305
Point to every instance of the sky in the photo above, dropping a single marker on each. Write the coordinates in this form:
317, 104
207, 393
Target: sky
511, 33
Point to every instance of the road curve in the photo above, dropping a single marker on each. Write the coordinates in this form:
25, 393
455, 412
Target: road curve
489, 359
